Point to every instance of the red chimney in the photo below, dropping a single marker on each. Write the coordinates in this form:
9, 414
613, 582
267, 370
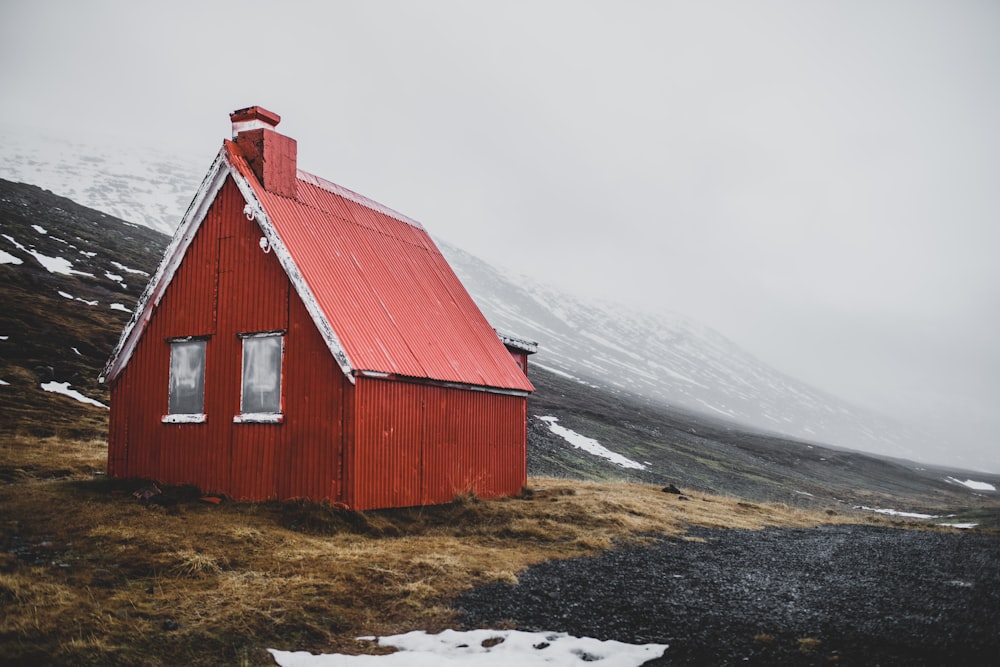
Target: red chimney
271, 156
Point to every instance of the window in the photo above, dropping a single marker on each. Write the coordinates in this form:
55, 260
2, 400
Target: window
260, 400
186, 394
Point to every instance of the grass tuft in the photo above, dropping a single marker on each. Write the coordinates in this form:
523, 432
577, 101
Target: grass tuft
808, 644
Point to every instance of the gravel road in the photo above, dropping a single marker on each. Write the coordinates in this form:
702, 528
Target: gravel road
844, 595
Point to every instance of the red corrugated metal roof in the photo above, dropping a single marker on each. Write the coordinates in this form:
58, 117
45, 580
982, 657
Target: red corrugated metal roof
381, 284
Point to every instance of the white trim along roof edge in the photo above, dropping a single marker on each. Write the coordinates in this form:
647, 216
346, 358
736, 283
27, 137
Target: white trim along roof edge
295, 276
177, 248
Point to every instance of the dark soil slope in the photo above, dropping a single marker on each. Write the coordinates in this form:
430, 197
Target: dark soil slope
60, 326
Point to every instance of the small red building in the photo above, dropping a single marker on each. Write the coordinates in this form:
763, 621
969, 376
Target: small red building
302, 341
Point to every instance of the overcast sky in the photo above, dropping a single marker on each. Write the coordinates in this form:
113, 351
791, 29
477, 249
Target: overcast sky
819, 181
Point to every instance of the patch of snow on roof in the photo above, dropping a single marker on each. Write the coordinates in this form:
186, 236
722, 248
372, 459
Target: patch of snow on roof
2, 383
63, 388
910, 515
39, 229
7, 258
502, 648
976, 486
120, 306
4, 337
590, 445
65, 295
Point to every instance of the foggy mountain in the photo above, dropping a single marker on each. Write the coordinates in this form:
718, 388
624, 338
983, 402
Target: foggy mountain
671, 361
665, 360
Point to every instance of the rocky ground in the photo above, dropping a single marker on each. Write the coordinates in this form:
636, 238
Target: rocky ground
844, 594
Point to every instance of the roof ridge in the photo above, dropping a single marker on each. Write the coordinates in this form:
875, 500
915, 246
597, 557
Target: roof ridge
346, 193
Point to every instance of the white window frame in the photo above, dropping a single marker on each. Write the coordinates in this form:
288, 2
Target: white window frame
262, 417
186, 417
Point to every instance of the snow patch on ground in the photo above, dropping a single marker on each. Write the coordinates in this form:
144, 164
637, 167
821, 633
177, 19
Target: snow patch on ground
39, 229
57, 265
485, 648
66, 295
63, 388
122, 267
911, 515
975, 486
963, 526
715, 409
4, 382
590, 445
680, 376
556, 371
7, 258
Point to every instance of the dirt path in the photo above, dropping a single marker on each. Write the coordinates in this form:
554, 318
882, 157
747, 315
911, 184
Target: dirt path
844, 595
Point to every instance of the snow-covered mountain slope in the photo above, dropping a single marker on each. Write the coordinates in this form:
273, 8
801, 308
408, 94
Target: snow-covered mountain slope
145, 186
671, 360
665, 359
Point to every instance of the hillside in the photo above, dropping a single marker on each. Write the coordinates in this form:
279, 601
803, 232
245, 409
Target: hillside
71, 275
692, 451
675, 362
69, 278
660, 356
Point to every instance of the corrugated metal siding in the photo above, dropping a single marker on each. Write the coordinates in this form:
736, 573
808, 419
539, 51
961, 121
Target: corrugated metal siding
385, 288
299, 458
253, 296
420, 444
309, 464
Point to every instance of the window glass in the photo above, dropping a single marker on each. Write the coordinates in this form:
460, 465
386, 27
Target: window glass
261, 375
187, 377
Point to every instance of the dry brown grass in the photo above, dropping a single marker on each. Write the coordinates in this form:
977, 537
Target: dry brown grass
89, 575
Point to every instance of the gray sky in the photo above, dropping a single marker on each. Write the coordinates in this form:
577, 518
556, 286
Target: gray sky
819, 181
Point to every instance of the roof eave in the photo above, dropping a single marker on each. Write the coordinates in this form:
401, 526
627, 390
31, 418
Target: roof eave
507, 391
518, 343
